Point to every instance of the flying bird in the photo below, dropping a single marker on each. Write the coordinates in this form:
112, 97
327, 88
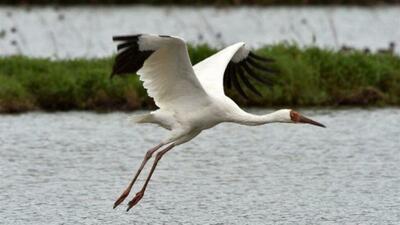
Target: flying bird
191, 99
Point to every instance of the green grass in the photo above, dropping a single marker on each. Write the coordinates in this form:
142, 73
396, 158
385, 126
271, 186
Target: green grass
308, 77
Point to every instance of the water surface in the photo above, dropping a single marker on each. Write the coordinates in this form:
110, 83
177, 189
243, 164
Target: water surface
69, 32
68, 168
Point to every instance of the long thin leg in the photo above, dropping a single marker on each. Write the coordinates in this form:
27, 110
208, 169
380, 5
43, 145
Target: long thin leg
125, 194
140, 194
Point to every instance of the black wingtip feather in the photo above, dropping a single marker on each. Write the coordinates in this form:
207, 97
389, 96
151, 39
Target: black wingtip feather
129, 58
126, 45
227, 79
237, 86
260, 67
252, 55
126, 37
238, 74
254, 75
247, 82
231, 73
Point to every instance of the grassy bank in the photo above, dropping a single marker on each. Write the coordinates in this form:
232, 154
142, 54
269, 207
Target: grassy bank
308, 77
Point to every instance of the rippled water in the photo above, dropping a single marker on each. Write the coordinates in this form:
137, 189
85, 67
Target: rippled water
68, 168
69, 32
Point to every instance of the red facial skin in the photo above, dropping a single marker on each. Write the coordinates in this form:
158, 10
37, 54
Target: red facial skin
298, 118
295, 116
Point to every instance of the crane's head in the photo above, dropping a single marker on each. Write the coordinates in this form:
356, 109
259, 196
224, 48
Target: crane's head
296, 117
291, 116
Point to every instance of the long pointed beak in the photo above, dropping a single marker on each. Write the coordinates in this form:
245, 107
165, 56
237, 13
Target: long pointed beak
304, 119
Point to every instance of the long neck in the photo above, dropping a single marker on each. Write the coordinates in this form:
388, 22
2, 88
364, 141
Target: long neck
254, 120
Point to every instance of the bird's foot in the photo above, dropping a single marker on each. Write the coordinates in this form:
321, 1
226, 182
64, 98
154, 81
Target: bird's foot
121, 198
135, 200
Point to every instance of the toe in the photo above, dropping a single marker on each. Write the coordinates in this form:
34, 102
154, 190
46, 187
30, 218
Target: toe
135, 200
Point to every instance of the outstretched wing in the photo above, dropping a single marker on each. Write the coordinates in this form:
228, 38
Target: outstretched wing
233, 67
163, 64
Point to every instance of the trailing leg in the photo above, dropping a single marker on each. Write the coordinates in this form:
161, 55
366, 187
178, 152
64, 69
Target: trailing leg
140, 194
125, 194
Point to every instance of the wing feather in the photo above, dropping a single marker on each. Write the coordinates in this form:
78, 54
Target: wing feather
264, 59
259, 66
247, 82
253, 75
236, 84
234, 65
227, 77
163, 64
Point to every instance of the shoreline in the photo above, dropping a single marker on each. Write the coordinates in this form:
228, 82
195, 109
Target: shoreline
309, 77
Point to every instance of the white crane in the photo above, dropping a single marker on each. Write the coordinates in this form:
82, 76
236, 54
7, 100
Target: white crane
191, 98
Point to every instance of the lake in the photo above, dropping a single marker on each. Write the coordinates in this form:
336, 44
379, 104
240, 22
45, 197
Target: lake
69, 167
70, 32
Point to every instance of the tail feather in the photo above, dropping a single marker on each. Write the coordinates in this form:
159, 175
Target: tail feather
143, 118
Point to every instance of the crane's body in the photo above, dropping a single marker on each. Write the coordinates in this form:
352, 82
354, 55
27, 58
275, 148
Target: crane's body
186, 125
192, 98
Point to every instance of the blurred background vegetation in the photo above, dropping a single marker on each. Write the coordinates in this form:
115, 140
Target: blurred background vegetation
307, 77
204, 2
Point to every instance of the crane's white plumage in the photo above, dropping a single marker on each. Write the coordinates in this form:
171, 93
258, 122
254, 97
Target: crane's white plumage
210, 71
192, 99
168, 75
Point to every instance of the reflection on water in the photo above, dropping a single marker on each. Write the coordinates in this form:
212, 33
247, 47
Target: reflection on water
70, 167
